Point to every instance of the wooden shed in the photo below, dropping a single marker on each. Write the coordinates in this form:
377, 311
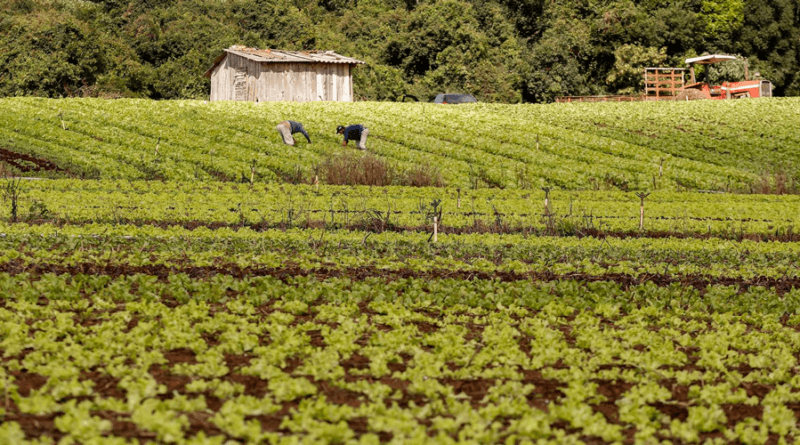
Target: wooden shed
251, 74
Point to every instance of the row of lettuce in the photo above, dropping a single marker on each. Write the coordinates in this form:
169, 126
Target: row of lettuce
107, 247
71, 201
635, 146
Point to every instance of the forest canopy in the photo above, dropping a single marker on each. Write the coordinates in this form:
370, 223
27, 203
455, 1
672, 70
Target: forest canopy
499, 50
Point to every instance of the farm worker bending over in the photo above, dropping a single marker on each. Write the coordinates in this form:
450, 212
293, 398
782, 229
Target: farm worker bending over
288, 128
356, 132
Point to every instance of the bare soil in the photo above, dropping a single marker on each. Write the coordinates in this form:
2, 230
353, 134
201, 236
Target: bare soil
27, 163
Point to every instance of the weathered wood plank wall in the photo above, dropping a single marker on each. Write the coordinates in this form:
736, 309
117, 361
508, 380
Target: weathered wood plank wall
238, 78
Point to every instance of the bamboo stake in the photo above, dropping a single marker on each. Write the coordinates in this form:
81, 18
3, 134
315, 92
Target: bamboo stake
435, 228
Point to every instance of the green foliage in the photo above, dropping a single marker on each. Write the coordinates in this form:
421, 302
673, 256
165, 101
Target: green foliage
378, 81
630, 61
50, 53
275, 23
770, 39
557, 62
498, 50
722, 17
728, 71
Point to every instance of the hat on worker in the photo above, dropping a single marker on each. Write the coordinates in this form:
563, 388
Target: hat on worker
339, 128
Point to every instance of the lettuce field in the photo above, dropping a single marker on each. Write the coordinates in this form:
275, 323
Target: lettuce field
590, 274
720, 146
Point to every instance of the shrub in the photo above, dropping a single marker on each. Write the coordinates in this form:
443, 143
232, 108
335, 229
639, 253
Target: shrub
423, 176
354, 168
350, 168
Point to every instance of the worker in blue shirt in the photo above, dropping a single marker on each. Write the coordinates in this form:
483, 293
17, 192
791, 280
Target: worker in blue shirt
287, 128
356, 132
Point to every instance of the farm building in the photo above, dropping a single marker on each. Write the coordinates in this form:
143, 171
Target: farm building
251, 74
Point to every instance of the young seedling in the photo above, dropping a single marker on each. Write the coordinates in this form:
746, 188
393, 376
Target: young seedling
12, 192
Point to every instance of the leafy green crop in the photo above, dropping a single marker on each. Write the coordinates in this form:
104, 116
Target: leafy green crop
632, 146
461, 361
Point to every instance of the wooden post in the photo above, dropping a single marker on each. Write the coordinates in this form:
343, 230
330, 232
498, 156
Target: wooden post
316, 183
658, 85
252, 171
641, 209
458, 202
546, 199
641, 215
435, 228
661, 168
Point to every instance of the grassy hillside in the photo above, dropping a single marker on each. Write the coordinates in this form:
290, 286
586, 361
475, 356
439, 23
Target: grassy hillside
745, 145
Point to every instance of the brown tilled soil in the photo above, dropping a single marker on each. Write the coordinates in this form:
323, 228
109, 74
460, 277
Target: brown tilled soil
27, 163
700, 282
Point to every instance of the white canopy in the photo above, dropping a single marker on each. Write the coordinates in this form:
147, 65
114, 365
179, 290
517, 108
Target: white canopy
705, 60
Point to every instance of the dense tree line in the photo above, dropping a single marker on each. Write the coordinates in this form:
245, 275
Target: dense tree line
499, 50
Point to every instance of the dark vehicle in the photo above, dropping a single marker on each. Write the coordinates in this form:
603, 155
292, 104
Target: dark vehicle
454, 99
408, 96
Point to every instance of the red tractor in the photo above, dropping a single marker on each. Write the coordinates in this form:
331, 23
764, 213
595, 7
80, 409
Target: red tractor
670, 84
728, 90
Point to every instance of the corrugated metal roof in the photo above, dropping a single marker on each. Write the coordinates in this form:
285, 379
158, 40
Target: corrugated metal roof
279, 56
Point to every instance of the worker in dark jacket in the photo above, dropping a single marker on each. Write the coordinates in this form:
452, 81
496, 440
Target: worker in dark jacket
287, 128
355, 132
